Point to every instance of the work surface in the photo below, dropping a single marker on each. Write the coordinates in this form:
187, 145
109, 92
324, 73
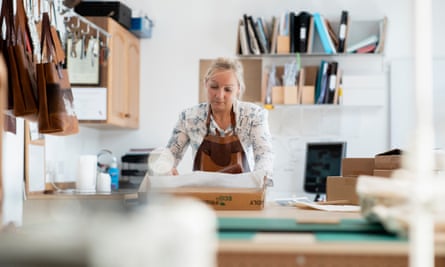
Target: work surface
289, 236
274, 236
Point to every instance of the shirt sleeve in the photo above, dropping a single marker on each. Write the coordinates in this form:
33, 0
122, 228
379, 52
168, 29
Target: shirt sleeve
179, 140
262, 143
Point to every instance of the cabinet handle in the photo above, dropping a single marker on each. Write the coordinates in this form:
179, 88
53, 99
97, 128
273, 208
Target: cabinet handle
125, 115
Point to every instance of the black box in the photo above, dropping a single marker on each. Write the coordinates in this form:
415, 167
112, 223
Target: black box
115, 9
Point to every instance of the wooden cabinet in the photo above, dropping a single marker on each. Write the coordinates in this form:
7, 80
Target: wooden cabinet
120, 75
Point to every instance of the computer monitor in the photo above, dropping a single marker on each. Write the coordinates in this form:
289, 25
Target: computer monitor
322, 159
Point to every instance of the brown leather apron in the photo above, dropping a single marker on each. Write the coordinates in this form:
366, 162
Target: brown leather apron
221, 153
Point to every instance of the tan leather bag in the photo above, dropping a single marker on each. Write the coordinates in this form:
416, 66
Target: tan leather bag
22, 99
56, 109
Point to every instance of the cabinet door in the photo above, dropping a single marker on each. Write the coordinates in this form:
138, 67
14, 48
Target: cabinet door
117, 87
132, 63
120, 74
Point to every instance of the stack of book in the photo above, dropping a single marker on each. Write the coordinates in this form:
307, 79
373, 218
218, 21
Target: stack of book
294, 32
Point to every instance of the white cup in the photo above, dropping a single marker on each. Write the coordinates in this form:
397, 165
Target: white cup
103, 182
86, 177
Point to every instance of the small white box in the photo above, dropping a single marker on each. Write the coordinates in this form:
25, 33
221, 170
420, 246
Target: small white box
90, 103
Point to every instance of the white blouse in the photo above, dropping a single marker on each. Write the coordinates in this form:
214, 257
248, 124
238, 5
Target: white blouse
252, 128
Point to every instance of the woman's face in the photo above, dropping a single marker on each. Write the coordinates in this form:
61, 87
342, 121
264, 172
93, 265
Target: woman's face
222, 89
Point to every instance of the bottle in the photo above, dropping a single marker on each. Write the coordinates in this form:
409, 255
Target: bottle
113, 170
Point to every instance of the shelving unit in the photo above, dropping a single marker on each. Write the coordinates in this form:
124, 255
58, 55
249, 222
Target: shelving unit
361, 120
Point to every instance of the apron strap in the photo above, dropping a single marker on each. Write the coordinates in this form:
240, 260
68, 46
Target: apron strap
232, 117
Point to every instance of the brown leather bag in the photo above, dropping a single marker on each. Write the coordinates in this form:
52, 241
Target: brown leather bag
22, 87
56, 109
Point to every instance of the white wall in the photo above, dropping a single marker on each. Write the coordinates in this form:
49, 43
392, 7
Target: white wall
186, 31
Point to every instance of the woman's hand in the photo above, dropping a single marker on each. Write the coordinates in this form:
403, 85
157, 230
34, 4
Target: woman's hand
174, 171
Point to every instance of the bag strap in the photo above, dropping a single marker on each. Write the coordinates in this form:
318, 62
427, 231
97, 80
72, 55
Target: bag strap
7, 21
22, 27
46, 41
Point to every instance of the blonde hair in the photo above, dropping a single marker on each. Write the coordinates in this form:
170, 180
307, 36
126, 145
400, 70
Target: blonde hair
232, 64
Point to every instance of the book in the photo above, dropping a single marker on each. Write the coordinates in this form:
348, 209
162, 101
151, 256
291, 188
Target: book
323, 33
343, 30
292, 32
244, 48
302, 35
255, 37
253, 41
366, 49
362, 43
310, 35
332, 33
331, 83
320, 85
274, 35
246, 23
382, 35
263, 38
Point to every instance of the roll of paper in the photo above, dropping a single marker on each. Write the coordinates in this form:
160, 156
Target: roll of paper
87, 171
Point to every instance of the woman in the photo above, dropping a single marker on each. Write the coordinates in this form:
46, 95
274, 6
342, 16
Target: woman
225, 134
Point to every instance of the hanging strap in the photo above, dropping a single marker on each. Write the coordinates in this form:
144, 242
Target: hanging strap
22, 28
46, 42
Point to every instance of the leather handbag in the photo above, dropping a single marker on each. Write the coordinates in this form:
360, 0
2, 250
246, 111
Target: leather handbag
56, 108
22, 86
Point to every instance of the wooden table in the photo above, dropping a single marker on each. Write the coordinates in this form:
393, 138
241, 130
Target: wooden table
311, 249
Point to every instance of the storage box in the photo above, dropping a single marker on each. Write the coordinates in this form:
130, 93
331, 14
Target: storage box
219, 198
141, 27
223, 198
283, 44
388, 160
278, 95
290, 95
383, 173
357, 166
306, 85
342, 188
115, 9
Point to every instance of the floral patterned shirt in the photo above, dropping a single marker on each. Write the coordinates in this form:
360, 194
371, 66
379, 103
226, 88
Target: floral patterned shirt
252, 129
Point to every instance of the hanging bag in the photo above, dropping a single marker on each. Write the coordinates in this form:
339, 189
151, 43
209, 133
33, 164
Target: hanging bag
56, 109
22, 87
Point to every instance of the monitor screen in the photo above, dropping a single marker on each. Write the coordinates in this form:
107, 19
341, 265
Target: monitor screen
322, 160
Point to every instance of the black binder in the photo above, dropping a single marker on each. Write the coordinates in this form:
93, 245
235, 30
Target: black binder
302, 31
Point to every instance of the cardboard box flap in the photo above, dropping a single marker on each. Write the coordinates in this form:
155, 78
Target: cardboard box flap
394, 151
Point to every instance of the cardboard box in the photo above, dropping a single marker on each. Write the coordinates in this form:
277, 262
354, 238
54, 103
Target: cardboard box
383, 173
342, 188
388, 160
223, 198
219, 198
357, 166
